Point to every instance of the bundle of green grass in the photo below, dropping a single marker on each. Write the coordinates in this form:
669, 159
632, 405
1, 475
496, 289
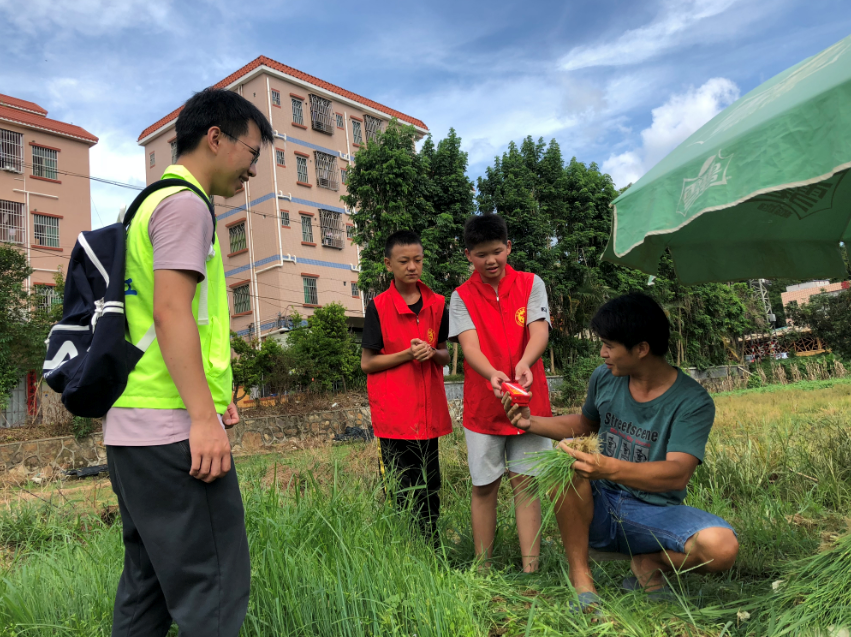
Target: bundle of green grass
554, 467
814, 594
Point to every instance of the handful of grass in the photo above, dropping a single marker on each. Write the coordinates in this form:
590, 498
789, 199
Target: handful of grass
555, 467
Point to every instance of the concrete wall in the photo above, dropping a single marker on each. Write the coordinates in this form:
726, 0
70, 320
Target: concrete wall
252, 435
455, 390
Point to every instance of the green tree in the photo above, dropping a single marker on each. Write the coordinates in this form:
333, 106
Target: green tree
324, 349
518, 187
253, 363
450, 193
23, 328
827, 315
388, 190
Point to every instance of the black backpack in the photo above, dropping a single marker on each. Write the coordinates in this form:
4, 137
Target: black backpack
88, 358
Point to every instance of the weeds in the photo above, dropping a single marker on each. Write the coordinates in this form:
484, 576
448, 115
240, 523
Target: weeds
330, 558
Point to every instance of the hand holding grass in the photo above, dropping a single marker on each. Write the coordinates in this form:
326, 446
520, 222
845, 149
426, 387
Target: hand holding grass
592, 466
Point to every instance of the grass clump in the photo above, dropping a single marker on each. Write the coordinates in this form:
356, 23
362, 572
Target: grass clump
813, 592
331, 558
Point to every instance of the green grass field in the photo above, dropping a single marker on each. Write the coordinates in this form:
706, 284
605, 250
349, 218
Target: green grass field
330, 559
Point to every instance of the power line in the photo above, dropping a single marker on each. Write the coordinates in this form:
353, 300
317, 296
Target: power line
111, 182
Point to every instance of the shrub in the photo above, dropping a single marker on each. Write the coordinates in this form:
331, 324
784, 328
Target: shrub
82, 427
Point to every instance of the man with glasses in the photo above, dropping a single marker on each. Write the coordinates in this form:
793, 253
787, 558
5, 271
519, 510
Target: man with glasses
186, 553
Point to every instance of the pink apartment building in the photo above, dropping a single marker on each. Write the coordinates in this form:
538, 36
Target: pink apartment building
45, 199
802, 292
287, 236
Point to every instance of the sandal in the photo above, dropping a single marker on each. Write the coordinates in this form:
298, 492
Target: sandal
585, 602
663, 594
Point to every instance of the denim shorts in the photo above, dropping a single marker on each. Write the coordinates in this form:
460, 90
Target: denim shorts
624, 524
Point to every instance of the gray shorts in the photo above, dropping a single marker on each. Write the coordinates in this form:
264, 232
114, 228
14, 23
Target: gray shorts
488, 455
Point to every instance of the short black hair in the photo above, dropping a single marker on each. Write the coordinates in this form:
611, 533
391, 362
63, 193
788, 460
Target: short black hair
485, 228
632, 319
401, 238
217, 107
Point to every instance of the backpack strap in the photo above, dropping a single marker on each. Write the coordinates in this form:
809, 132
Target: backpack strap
167, 183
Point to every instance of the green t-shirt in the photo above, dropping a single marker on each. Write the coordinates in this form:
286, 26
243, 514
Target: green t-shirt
677, 421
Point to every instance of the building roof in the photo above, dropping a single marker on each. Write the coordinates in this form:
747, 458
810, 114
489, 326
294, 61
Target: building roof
32, 120
288, 70
14, 102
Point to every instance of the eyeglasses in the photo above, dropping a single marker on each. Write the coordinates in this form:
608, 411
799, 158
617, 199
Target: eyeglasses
255, 152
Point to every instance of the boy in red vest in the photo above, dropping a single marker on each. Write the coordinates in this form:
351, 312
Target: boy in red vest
404, 351
501, 318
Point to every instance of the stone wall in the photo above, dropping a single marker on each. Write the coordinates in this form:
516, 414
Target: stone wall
251, 435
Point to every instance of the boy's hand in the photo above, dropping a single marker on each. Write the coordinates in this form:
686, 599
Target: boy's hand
421, 350
231, 416
520, 417
523, 374
210, 449
496, 382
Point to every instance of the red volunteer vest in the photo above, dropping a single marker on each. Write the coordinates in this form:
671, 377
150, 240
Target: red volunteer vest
503, 335
409, 401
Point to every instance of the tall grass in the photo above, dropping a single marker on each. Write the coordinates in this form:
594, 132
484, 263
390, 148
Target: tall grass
331, 558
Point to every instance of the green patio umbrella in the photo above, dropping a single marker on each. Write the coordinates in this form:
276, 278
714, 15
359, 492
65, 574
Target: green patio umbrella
761, 191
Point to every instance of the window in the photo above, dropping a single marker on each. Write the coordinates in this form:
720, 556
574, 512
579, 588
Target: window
332, 233
45, 297
307, 229
311, 297
326, 170
46, 231
298, 116
280, 158
301, 168
372, 125
355, 291
173, 152
357, 137
276, 98
344, 175
11, 151
339, 120
151, 159
11, 222
320, 114
236, 234
45, 162
285, 218
350, 232
241, 299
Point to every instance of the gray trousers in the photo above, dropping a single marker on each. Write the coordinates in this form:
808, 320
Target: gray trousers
185, 550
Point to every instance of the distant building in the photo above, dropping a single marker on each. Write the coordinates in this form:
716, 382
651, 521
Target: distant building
45, 199
803, 291
287, 237
45, 202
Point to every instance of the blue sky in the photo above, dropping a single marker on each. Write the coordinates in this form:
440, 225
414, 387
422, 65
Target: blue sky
617, 82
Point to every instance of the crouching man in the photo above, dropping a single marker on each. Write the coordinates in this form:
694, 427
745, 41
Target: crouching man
653, 422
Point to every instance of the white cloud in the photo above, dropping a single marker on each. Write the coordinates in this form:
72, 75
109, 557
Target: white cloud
673, 122
670, 29
89, 17
117, 158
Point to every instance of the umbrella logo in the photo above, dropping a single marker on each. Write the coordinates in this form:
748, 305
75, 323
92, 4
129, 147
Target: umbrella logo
712, 173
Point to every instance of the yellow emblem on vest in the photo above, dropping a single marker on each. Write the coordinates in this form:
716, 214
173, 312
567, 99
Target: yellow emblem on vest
520, 316
431, 337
